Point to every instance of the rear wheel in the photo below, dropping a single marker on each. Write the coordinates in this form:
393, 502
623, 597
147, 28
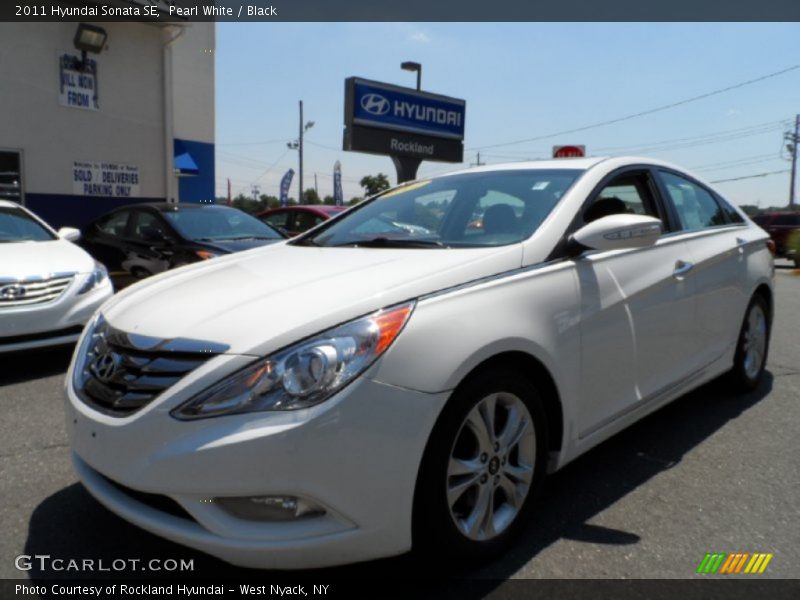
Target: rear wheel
752, 347
484, 463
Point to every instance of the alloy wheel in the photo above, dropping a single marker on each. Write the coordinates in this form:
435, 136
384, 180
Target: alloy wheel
755, 341
491, 466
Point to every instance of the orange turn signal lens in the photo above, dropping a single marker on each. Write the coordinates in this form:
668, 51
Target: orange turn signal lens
390, 323
205, 254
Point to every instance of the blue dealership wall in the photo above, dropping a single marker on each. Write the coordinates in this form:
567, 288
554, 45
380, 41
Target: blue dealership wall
197, 188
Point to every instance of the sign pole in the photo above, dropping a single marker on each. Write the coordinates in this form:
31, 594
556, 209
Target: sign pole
406, 168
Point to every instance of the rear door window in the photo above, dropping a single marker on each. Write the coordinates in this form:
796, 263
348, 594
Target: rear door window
787, 220
695, 206
115, 224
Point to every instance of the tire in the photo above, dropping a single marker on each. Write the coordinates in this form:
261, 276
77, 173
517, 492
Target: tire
752, 347
451, 493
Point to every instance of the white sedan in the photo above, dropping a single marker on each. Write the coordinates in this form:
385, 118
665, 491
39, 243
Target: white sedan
355, 391
49, 288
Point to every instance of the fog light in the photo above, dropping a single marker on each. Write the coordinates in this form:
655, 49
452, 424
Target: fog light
270, 508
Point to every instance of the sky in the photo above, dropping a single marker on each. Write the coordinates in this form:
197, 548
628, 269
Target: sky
520, 81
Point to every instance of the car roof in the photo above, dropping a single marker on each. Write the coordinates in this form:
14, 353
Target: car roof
583, 164
317, 208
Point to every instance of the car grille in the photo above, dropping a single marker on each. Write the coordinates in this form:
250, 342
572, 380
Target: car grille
123, 372
31, 292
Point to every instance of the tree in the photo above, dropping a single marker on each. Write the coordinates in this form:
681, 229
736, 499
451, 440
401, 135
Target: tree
354, 200
329, 200
374, 184
310, 196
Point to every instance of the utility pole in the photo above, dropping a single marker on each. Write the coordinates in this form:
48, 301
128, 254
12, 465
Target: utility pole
794, 140
316, 189
300, 151
298, 145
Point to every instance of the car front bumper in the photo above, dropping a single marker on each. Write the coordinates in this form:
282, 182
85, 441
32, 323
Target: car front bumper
52, 323
357, 455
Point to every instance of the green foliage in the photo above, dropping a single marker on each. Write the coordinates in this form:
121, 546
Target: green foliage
252, 206
374, 184
354, 200
329, 200
310, 196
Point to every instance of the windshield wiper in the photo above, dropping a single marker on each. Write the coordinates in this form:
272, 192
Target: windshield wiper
384, 242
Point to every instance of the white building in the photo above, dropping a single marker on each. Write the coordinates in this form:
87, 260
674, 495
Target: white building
132, 123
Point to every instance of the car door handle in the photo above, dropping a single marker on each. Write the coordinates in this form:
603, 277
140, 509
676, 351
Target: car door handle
682, 268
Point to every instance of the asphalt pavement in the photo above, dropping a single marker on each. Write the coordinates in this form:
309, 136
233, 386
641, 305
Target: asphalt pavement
711, 472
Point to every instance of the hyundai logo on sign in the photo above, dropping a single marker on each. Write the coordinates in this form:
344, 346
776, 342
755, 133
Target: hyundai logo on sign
375, 104
402, 109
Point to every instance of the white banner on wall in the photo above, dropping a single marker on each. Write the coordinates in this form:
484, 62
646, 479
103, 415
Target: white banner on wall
78, 82
105, 179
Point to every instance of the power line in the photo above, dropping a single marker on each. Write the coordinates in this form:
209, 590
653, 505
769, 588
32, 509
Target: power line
269, 168
768, 156
664, 145
645, 112
283, 139
752, 176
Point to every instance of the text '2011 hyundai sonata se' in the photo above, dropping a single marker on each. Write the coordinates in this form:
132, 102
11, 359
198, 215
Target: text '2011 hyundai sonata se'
408, 372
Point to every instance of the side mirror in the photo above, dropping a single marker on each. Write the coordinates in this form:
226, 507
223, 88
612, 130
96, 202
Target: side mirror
615, 232
70, 234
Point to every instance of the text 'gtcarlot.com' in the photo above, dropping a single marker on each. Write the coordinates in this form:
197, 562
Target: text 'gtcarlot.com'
45, 562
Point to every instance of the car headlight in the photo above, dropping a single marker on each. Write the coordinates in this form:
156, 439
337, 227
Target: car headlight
305, 373
95, 279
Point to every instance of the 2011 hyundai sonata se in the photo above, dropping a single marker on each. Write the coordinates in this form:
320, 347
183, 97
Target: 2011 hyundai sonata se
409, 371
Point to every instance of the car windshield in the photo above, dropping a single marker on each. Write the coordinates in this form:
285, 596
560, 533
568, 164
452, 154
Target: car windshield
219, 223
18, 226
467, 210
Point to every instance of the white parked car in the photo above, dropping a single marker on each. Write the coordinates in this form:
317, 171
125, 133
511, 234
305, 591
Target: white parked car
346, 394
49, 288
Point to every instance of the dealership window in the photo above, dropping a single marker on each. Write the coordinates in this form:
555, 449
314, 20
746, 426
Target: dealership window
10, 176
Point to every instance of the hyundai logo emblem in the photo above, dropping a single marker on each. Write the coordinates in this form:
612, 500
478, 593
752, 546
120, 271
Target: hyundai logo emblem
105, 366
12, 292
375, 104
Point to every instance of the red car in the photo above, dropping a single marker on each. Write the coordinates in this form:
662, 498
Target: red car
294, 220
780, 226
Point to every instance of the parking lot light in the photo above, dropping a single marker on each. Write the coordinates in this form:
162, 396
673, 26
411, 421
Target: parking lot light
413, 66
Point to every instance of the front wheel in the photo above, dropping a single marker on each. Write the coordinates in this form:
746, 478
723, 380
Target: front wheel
752, 347
484, 463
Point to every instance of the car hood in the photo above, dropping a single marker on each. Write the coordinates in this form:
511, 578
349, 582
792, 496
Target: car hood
258, 301
228, 246
23, 260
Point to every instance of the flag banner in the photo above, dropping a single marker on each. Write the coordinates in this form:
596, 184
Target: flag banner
286, 182
338, 195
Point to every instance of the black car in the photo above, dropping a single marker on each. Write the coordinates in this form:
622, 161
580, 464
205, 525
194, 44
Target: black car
143, 239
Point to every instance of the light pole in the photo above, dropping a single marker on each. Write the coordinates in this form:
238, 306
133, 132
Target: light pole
413, 66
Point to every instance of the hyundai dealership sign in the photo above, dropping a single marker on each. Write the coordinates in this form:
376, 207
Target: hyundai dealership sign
387, 119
